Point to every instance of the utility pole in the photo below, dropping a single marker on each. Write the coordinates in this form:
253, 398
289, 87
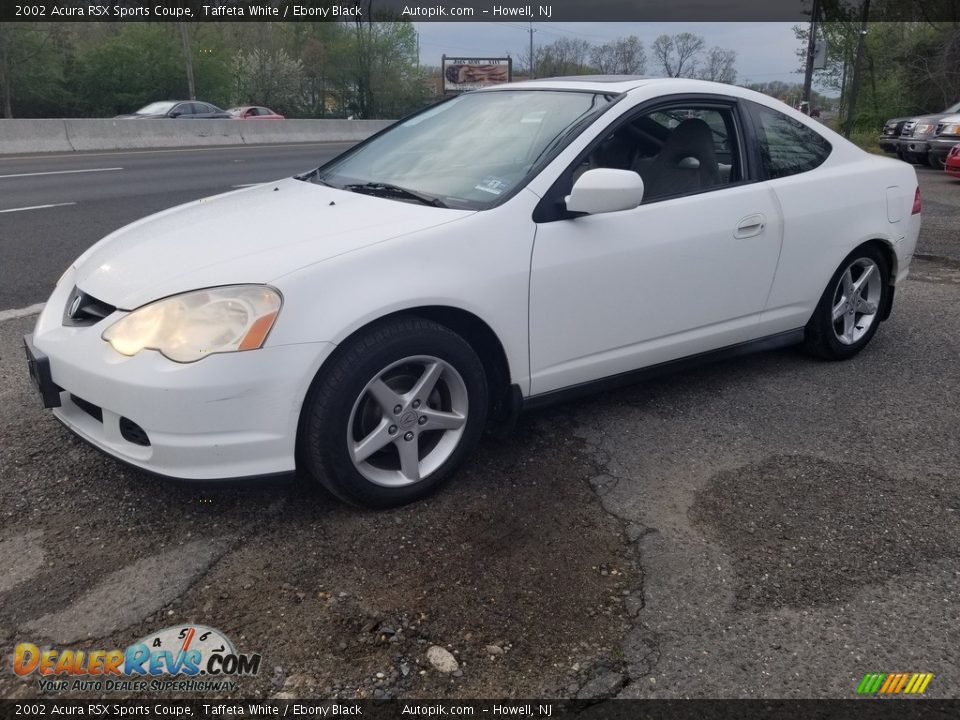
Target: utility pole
533, 72
188, 59
857, 67
811, 49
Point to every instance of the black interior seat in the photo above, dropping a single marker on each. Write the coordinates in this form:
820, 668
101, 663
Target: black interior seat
672, 172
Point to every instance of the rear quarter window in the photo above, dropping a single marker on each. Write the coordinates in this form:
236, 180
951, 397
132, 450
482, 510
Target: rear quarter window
787, 146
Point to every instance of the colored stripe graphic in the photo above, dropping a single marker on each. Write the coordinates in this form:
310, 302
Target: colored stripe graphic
894, 683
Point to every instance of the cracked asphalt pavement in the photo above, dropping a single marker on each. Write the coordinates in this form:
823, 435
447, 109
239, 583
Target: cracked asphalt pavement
774, 526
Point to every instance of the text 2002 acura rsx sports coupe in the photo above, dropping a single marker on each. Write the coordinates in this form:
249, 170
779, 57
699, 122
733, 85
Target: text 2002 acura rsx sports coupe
366, 321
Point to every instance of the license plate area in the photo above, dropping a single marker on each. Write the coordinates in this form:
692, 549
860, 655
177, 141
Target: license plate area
39, 366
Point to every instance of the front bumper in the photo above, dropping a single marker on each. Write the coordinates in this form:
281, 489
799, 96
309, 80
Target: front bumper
230, 415
913, 146
940, 147
889, 143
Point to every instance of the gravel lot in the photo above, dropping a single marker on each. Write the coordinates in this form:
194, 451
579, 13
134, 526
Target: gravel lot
774, 526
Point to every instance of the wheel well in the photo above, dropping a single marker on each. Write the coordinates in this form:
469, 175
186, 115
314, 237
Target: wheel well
484, 342
888, 254
891, 257
481, 338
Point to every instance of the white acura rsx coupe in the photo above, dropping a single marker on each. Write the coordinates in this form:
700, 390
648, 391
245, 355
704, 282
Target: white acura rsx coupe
366, 321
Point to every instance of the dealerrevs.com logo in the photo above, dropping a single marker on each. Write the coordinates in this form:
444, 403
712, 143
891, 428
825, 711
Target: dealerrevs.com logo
894, 683
191, 658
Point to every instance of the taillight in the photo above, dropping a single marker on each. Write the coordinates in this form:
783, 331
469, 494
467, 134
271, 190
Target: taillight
916, 203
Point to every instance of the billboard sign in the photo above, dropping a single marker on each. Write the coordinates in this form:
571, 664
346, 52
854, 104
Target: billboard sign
461, 74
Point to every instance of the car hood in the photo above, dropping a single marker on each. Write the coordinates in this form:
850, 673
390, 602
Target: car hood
254, 235
929, 118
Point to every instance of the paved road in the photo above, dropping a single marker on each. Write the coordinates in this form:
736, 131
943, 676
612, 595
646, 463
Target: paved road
92, 194
774, 526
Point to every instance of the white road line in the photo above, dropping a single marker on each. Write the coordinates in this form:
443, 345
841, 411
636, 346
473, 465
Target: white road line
204, 148
20, 312
59, 172
37, 207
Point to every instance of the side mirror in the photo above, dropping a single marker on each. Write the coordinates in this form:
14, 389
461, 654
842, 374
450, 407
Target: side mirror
605, 190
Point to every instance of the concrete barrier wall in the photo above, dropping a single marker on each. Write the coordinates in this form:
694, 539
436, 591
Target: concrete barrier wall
31, 136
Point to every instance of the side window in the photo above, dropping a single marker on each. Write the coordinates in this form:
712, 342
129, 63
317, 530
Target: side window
677, 150
787, 146
183, 109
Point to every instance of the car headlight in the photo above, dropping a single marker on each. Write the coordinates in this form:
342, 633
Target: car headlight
190, 326
922, 129
951, 129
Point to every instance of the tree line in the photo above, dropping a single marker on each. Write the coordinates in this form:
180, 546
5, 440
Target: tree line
681, 55
311, 70
906, 67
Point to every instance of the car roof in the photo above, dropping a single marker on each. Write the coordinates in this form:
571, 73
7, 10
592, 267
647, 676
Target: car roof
625, 83
598, 83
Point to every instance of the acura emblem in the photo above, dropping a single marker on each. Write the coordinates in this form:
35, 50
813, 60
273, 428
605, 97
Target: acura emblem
74, 306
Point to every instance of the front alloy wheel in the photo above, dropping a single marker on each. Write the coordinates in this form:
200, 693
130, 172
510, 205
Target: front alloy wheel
407, 421
393, 413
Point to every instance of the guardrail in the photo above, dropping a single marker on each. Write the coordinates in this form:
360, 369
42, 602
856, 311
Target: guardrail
69, 135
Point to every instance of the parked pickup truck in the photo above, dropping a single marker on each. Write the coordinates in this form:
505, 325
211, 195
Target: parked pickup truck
899, 136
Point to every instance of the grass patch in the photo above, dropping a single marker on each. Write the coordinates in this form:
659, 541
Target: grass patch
867, 140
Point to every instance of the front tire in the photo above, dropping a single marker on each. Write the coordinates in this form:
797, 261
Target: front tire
399, 408
935, 162
848, 313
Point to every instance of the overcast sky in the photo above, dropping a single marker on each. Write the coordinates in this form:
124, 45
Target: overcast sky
765, 51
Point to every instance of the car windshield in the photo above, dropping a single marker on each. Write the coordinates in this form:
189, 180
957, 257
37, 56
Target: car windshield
465, 153
157, 108
953, 108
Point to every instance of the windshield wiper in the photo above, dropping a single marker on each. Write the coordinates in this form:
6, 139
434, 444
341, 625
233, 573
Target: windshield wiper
381, 189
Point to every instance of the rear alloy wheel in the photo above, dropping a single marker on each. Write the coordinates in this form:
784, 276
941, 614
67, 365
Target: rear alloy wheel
396, 412
849, 310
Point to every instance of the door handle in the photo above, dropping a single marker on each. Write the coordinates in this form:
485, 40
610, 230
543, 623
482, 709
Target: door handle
750, 225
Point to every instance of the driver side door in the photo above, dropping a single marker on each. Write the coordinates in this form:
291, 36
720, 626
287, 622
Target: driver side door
686, 272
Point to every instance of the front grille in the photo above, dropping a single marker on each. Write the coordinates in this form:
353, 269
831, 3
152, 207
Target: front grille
133, 433
82, 309
89, 408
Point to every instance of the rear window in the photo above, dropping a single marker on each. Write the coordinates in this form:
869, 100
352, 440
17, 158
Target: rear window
787, 146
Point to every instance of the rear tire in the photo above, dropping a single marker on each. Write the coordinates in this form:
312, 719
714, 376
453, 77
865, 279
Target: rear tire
848, 313
394, 414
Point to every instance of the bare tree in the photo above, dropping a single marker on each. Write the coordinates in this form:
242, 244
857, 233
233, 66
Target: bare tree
567, 56
623, 56
677, 55
719, 66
